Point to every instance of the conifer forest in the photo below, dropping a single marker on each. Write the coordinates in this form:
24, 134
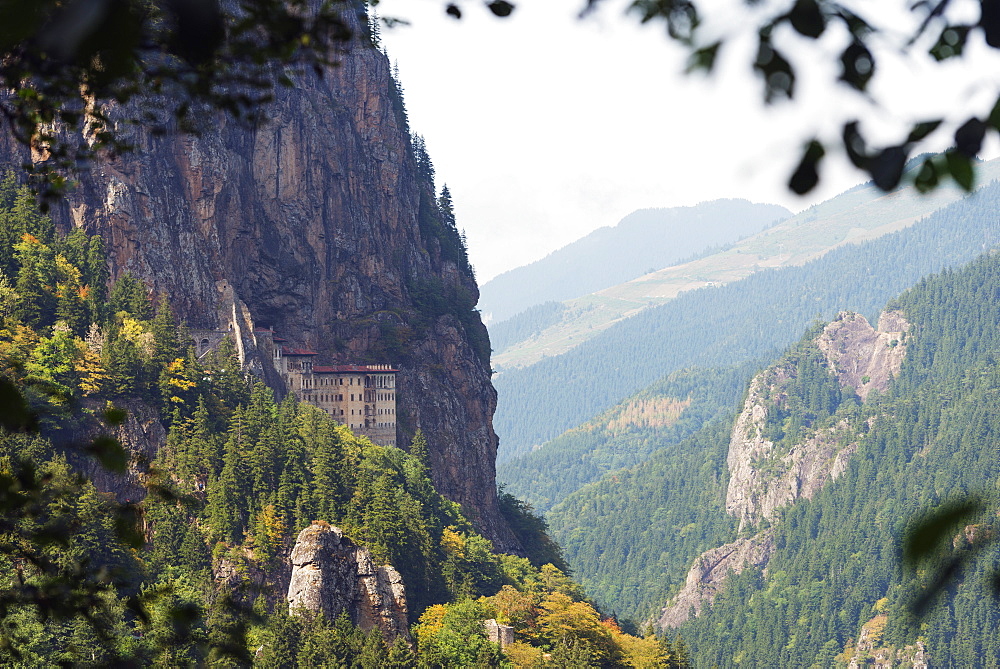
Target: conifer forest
260, 405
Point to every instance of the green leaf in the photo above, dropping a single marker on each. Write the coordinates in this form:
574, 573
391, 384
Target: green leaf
857, 66
14, 412
109, 452
501, 8
960, 167
806, 176
969, 137
128, 526
114, 416
854, 145
921, 130
807, 18
950, 43
989, 20
994, 119
886, 167
777, 72
927, 178
929, 533
703, 59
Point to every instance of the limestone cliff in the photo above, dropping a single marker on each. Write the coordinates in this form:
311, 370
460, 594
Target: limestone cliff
766, 477
762, 479
707, 575
313, 224
330, 575
865, 358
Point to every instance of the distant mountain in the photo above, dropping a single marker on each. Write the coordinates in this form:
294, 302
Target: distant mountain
726, 325
859, 214
644, 241
778, 530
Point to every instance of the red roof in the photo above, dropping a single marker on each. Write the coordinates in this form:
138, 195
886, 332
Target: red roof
342, 369
297, 351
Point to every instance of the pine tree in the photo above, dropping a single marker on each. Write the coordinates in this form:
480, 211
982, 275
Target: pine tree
207, 447
95, 277
166, 347
226, 497
193, 553
447, 208
128, 294
36, 280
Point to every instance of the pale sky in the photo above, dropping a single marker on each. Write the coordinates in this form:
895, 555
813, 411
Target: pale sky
546, 127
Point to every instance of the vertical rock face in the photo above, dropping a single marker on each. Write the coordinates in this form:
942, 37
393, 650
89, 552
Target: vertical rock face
763, 480
330, 575
309, 224
865, 358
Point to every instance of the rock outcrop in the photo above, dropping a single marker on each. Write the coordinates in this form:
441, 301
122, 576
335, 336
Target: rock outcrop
868, 651
310, 224
330, 574
757, 492
865, 358
763, 480
709, 572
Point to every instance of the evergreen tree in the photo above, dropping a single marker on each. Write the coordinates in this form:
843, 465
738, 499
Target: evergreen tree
128, 294
95, 276
36, 280
227, 497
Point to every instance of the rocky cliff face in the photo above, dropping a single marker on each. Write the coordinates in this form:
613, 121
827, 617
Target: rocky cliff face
763, 481
865, 358
763, 478
708, 574
330, 575
310, 224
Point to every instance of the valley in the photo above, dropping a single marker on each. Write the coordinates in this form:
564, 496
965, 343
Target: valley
256, 409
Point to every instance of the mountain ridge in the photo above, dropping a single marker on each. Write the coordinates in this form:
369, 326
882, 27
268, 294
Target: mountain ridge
857, 215
722, 325
646, 238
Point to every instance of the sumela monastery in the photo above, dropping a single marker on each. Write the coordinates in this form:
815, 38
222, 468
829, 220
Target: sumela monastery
362, 397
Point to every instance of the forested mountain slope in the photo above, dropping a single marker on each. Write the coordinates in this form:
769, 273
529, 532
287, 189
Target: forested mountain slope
929, 439
726, 325
324, 224
666, 412
832, 590
189, 543
643, 241
859, 214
